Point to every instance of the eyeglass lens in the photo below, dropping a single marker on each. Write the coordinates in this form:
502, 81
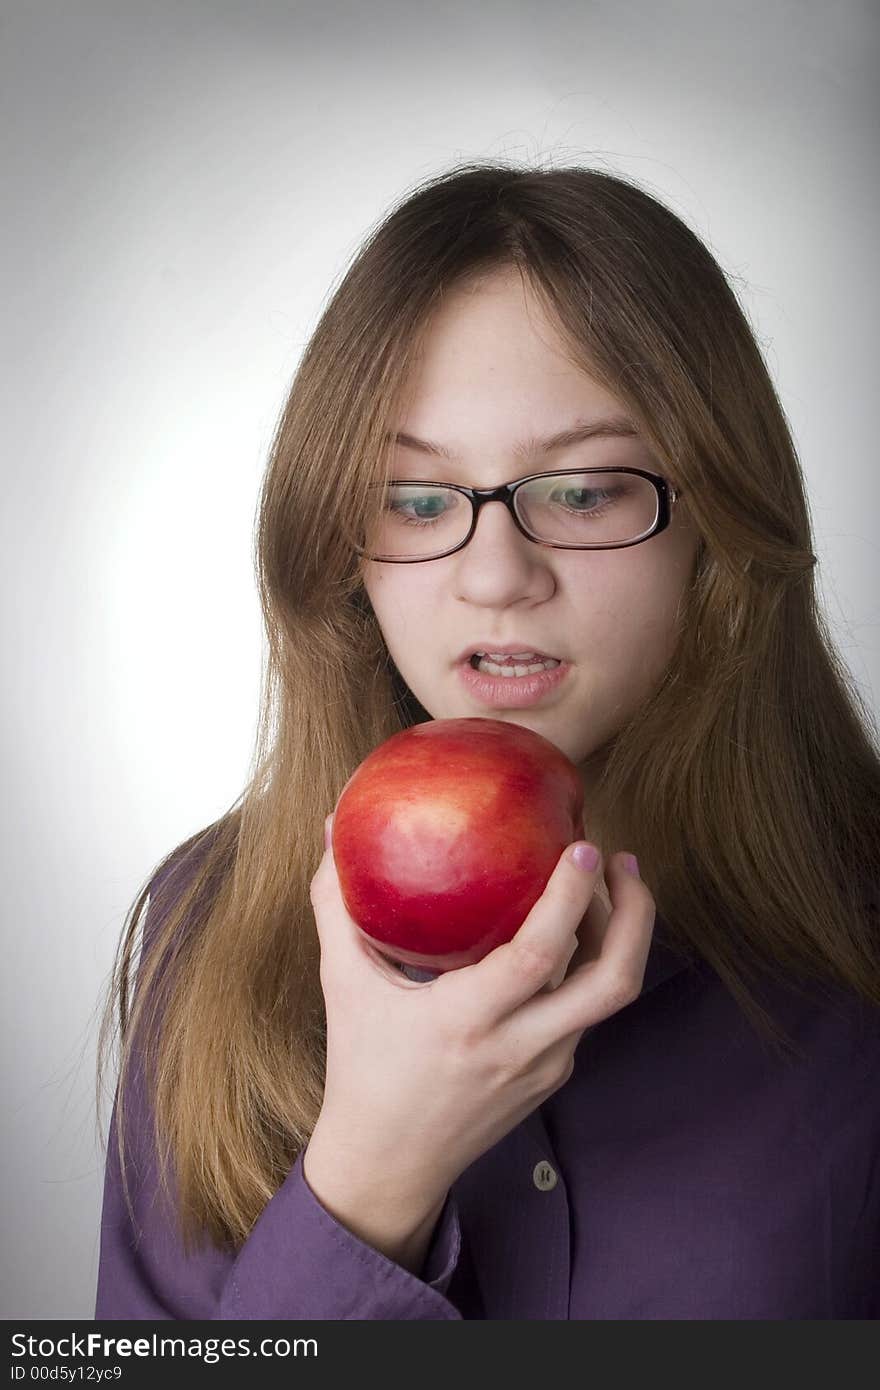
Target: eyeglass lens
418, 520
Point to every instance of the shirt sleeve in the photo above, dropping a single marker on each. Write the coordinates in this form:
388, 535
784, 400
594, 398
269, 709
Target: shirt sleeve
298, 1262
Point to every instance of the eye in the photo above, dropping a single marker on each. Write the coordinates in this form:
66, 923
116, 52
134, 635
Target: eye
577, 497
417, 505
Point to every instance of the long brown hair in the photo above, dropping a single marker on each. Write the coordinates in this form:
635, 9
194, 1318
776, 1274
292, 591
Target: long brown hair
748, 784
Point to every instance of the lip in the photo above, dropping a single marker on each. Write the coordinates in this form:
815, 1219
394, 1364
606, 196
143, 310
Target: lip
511, 692
506, 644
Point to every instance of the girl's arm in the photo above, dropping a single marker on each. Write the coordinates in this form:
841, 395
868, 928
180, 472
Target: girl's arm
299, 1262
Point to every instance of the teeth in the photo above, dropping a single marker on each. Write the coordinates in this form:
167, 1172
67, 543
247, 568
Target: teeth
502, 657
490, 668
505, 657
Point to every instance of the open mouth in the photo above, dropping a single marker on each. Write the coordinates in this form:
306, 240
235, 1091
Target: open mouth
515, 665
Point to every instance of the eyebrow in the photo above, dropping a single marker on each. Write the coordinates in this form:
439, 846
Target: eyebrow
613, 427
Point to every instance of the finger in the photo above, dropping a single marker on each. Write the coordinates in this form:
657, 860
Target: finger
597, 988
560, 973
587, 943
601, 897
321, 885
592, 929
519, 968
418, 973
345, 948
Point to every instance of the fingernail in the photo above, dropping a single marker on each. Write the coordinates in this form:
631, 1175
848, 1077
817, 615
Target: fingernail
328, 829
585, 856
631, 864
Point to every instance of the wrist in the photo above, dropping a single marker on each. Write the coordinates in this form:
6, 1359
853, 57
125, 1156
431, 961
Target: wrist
382, 1206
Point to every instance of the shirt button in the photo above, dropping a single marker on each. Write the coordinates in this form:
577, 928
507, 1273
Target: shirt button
544, 1176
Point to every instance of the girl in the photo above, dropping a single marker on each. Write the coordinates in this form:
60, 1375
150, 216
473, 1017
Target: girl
660, 1099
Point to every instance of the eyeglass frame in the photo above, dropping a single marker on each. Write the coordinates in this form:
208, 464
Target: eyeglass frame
667, 496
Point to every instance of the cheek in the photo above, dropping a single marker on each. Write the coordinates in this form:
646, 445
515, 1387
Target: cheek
634, 620
400, 604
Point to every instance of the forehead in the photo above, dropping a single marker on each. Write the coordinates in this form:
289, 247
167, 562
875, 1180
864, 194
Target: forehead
492, 372
498, 323
580, 432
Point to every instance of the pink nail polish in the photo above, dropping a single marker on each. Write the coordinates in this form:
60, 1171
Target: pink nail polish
586, 857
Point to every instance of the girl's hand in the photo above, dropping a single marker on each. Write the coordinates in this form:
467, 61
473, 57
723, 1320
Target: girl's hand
423, 1078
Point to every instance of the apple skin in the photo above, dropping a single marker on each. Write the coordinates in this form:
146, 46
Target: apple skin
446, 834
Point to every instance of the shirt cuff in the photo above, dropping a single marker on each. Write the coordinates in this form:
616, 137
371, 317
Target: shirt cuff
331, 1273
444, 1249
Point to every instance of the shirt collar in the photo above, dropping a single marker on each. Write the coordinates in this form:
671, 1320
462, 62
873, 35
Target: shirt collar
664, 958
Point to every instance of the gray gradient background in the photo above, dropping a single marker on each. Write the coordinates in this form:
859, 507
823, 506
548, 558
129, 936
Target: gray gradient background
182, 185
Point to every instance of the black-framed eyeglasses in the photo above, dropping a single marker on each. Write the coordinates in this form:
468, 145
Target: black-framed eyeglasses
571, 509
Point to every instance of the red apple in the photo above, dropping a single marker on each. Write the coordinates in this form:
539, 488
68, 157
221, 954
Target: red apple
446, 834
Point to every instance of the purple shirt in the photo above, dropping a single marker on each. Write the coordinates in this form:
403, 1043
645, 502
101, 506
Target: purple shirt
685, 1171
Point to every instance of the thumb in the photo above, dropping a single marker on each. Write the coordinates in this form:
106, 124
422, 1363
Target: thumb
344, 946
334, 923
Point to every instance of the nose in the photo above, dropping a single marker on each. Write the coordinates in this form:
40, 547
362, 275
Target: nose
496, 523
499, 565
